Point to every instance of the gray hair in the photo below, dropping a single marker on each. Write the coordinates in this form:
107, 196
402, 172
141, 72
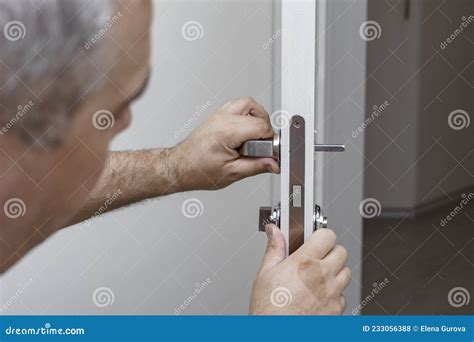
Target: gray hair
48, 63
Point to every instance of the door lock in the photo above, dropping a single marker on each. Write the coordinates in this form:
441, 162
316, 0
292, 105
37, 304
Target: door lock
295, 204
272, 215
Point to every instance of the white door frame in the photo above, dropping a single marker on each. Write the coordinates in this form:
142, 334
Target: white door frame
310, 30
298, 70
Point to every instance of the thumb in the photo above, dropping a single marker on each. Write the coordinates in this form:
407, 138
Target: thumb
250, 166
276, 250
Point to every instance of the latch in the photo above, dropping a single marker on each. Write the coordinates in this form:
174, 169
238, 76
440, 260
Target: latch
295, 204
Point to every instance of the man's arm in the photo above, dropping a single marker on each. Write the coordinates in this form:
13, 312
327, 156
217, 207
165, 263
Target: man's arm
130, 177
207, 160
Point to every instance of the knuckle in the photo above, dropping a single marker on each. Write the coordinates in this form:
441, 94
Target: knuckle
263, 126
258, 168
305, 262
325, 273
347, 274
343, 251
248, 100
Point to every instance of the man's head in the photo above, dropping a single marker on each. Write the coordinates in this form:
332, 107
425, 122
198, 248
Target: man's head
68, 72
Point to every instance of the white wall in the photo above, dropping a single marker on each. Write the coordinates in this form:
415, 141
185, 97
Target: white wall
150, 255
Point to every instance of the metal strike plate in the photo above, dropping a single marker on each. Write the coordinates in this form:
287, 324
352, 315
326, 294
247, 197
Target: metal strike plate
296, 185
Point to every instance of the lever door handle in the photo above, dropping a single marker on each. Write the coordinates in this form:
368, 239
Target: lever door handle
270, 148
329, 148
262, 148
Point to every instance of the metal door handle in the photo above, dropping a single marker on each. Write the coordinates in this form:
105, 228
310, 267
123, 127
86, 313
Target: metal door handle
270, 148
262, 148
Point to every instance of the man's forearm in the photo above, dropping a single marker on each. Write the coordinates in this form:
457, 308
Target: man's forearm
206, 160
130, 177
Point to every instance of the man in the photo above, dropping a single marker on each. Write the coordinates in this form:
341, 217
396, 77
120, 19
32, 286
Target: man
63, 85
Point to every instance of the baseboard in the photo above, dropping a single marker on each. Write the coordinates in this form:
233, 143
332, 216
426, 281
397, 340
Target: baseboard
425, 208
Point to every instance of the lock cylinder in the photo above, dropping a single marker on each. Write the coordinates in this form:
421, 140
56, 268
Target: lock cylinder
272, 215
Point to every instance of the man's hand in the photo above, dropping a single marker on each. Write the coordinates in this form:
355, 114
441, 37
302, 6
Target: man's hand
209, 158
309, 282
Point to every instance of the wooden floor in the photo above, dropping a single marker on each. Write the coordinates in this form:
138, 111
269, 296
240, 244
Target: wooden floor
422, 262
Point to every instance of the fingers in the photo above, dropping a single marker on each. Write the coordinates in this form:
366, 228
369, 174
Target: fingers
276, 251
319, 244
247, 167
336, 259
260, 112
247, 106
250, 128
343, 278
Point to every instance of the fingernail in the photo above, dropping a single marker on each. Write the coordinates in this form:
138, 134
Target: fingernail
269, 232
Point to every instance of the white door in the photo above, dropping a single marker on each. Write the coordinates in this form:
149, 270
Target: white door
323, 79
